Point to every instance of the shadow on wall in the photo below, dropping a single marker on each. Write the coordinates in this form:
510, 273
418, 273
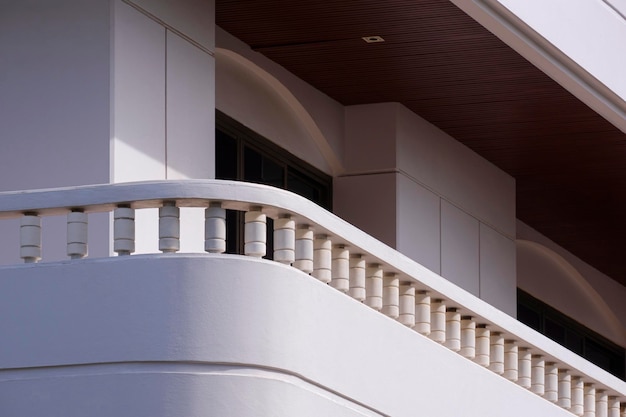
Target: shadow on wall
547, 276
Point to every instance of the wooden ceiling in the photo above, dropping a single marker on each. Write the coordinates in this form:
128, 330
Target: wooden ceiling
568, 162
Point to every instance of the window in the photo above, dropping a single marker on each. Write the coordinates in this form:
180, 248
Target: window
243, 155
571, 334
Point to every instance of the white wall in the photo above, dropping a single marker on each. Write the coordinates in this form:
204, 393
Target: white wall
558, 278
230, 334
163, 103
54, 106
420, 191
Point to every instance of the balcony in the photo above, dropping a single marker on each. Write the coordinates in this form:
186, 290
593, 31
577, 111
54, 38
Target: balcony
336, 324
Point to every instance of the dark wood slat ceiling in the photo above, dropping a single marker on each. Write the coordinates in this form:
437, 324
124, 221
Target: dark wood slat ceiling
567, 160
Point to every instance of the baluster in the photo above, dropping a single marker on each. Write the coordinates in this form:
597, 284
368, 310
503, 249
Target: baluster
511, 365
613, 407
438, 321
304, 248
285, 239
215, 228
76, 234
169, 227
391, 295
255, 233
578, 395
453, 329
525, 366
496, 353
422, 312
357, 277
552, 382
407, 304
538, 375
565, 389
589, 401
374, 287
483, 337
340, 268
30, 238
468, 337
602, 403
322, 259
124, 230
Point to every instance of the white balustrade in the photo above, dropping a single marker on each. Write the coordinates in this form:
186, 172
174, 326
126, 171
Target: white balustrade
322, 258
391, 295
578, 396
169, 227
565, 389
589, 401
124, 230
407, 304
374, 286
399, 294
453, 329
438, 321
511, 364
468, 337
483, 342
551, 392
496, 353
77, 229
304, 252
340, 267
215, 228
285, 239
538, 375
422, 312
255, 233
357, 277
525, 367
30, 238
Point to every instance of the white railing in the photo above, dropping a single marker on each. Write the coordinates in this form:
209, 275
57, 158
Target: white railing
322, 245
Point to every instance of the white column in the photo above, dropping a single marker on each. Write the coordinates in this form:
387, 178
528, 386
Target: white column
453, 329
538, 375
374, 287
589, 401
468, 337
77, 234
483, 338
284, 239
565, 389
340, 266
322, 258
124, 230
30, 238
391, 295
255, 233
578, 394
552, 382
496, 353
169, 227
215, 228
422, 312
357, 277
525, 366
304, 248
438, 321
511, 366
407, 304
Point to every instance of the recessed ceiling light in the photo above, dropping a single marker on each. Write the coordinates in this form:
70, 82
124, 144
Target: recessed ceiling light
373, 39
